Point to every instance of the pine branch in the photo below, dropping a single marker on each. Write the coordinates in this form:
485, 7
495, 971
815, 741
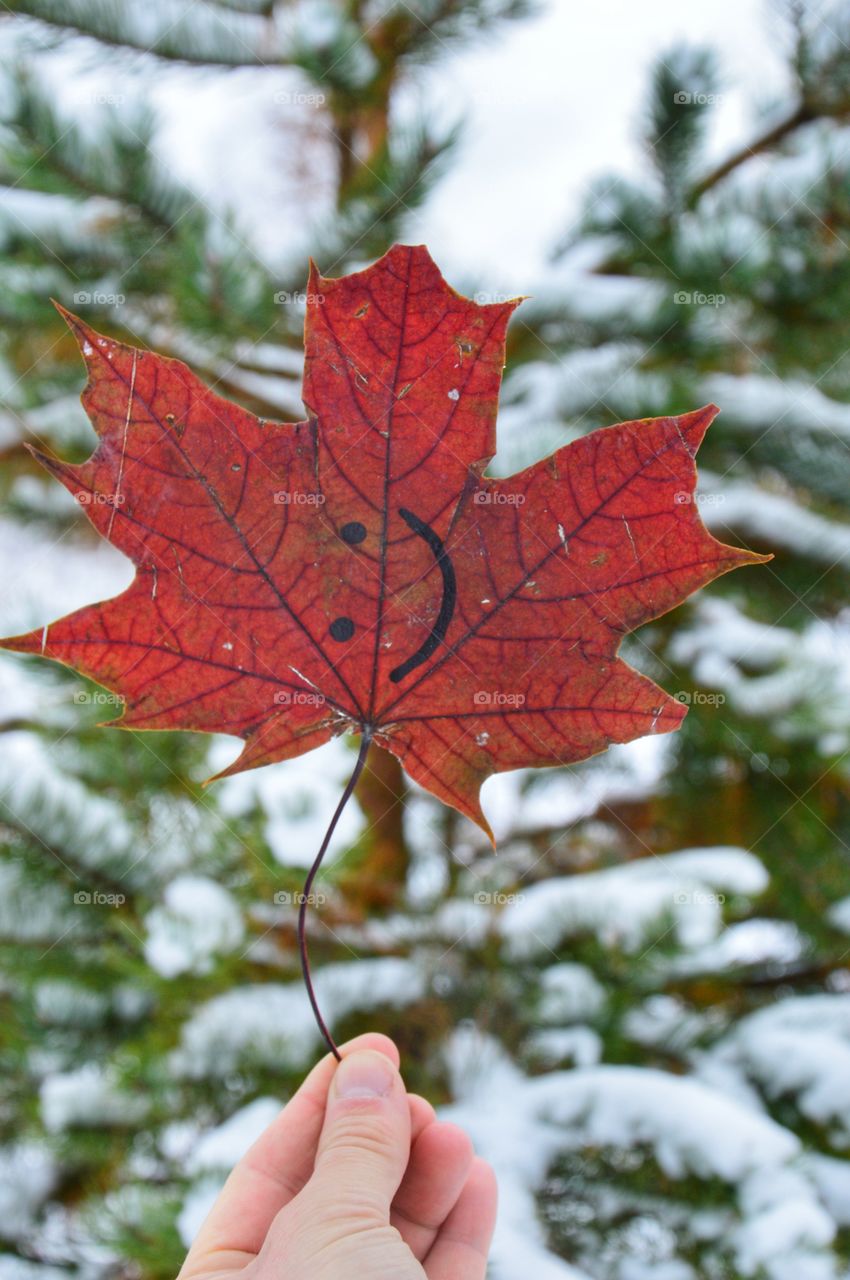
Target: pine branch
198, 33
766, 141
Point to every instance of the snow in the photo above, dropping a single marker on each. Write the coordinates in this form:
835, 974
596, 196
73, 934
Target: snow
211, 1157
48, 576
581, 1045
28, 1174
88, 1097
839, 915
756, 401
783, 1218
13, 1268
570, 993
772, 520
751, 942
295, 796
198, 1202
558, 797
665, 1021
622, 905
222, 1147
33, 913
802, 678
65, 1003
832, 1179
272, 1024
88, 829
198, 921
690, 1127
798, 1047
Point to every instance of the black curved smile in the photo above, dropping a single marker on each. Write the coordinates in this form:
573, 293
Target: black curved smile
447, 606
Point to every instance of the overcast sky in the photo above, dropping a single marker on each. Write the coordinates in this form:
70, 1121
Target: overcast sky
548, 103
557, 100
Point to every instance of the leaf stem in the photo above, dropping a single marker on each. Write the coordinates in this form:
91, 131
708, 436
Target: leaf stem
308, 885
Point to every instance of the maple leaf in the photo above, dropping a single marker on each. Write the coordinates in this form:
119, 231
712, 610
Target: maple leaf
358, 571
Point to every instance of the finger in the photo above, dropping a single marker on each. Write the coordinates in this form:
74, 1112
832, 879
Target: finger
463, 1241
279, 1163
421, 1115
365, 1143
439, 1165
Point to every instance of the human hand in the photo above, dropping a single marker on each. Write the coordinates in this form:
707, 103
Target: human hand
355, 1177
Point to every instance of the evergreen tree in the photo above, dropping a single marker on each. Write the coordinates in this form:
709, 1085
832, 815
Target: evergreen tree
113, 856
729, 283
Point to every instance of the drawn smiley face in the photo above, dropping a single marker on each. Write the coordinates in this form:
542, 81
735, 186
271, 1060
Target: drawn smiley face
342, 628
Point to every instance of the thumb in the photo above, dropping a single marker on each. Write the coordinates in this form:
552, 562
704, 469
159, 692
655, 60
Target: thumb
365, 1143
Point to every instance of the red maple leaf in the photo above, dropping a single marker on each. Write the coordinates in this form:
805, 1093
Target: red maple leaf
357, 571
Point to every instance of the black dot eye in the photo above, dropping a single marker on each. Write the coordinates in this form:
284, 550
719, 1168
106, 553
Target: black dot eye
342, 629
353, 532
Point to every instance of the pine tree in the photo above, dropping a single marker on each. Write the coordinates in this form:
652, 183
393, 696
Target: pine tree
725, 282
131, 898
730, 283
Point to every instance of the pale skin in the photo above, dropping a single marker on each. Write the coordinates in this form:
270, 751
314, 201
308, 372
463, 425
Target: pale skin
355, 1177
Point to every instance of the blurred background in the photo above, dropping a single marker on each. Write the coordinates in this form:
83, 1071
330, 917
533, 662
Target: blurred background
641, 1007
